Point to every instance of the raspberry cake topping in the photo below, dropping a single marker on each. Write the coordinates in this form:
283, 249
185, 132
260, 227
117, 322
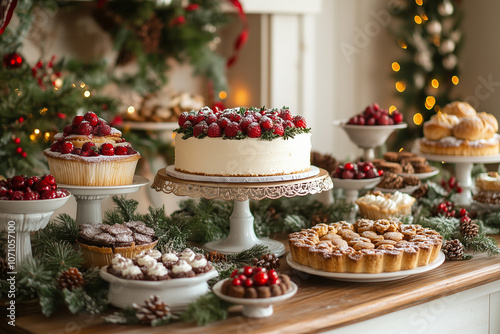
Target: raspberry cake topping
240, 123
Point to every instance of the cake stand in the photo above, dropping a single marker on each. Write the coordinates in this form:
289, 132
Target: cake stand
463, 169
351, 189
241, 232
19, 219
89, 199
369, 137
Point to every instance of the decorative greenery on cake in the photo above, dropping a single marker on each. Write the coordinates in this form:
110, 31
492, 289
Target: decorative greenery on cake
240, 123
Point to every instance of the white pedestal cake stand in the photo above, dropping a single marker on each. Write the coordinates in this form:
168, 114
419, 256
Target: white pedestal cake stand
463, 169
19, 219
241, 234
369, 137
351, 189
89, 199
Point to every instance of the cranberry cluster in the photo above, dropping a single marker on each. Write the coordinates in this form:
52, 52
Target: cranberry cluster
374, 115
447, 209
230, 123
86, 125
20, 187
451, 185
360, 170
254, 276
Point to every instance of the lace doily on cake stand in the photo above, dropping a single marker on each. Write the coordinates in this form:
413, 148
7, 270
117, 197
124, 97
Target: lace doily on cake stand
241, 233
463, 169
89, 199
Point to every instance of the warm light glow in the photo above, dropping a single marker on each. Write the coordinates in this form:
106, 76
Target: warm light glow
58, 83
419, 2
82, 85
402, 44
73, 85
395, 66
222, 95
435, 83
241, 97
400, 149
437, 108
418, 19
32, 137
43, 111
401, 86
424, 17
430, 101
455, 80
131, 109
392, 108
47, 135
18, 92
37, 131
87, 93
418, 119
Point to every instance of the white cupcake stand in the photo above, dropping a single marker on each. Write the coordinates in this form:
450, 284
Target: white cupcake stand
463, 169
241, 234
89, 199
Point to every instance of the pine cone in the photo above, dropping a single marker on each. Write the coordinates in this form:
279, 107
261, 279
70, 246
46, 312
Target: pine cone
213, 256
324, 161
3, 268
70, 279
421, 191
154, 309
469, 229
453, 249
268, 261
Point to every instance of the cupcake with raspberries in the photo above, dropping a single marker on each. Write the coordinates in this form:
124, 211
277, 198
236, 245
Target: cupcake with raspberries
89, 152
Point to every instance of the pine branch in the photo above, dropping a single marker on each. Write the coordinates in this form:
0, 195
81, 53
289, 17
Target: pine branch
59, 256
206, 309
245, 258
482, 244
126, 209
62, 228
446, 226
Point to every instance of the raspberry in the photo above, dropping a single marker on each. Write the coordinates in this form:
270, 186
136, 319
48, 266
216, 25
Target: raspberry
48, 194
286, 115
245, 122
200, 128
187, 124
191, 117
103, 130
253, 130
85, 129
183, 118
214, 130
278, 129
68, 129
223, 122
78, 151
199, 118
30, 195
121, 150
77, 120
289, 124
88, 146
300, 122
17, 182
51, 180
232, 130
107, 149
211, 119
42, 186
91, 117
349, 166
397, 117
17, 195
266, 123
130, 150
67, 147
56, 146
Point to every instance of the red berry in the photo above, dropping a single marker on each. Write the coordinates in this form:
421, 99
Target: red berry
347, 174
286, 115
200, 128
236, 281
77, 120
187, 125
462, 212
376, 107
349, 166
371, 121
68, 129
199, 118
183, 118
300, 122
272, 273
443, 207
191, 117
353, 120
253, 130
3, 191
103, 130
130, 150
245, 122
289, 124
452, 182
107, 149
359, 175
261, 278
48, 194
49, 179
248, 283
223, 122
234, 273
17, 195
248, 271
397, 117
30, 195
278, 129
214, 130
56, 146
211, 119
232, 130
121, 150
88, 146
85, 129
61, 193
465, 219
91, 117
380, 172
242, 277
361, 120
17, 182
42, 186
383, 120
259, 270
274, 281
266, 123
67, 147
459, 189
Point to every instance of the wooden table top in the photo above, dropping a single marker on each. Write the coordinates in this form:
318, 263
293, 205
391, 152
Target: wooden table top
320, 304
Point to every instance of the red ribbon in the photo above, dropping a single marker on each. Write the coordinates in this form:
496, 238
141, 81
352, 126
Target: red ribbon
6, 11
242, 37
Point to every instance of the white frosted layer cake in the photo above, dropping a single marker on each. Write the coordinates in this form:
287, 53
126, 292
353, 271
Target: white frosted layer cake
248, 157
242, 142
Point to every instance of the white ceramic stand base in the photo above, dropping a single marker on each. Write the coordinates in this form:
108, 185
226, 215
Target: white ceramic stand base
241, 234
22, 218
89, 199
463, 169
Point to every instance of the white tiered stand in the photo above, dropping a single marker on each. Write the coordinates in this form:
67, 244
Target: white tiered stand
241, 234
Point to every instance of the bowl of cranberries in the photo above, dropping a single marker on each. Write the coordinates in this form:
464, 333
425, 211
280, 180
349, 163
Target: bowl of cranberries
356, 175
372, 127
31, 194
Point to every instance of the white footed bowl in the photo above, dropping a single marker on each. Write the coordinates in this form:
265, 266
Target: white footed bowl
369, 136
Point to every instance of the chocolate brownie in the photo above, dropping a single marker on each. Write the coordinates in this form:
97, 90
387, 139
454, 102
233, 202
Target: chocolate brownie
141, 239
103, 239
123, 240
117, 229
143, 229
